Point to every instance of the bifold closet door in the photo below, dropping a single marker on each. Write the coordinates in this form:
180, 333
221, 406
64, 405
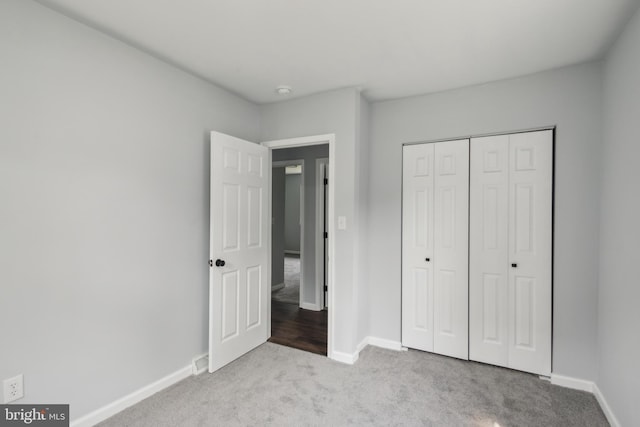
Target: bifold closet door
510, 250
417, 246
435, 247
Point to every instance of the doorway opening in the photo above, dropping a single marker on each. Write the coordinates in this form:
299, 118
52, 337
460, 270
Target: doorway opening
300, 245
287, 224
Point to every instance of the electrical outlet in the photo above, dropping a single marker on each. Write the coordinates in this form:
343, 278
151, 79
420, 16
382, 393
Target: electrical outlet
13, 389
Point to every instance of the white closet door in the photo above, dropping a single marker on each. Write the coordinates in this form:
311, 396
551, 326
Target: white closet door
417, 246
510, 250
530, 213
451, 249
489, 250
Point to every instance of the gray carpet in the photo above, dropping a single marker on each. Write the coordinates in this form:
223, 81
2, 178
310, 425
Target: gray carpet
291, 291
281, 386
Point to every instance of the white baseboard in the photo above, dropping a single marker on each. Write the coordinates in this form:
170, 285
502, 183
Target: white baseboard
200, 364
383, 343
362, 345
574, 383
591, 387
374, 341
347, 358
277, 287
605, 407
309, 306
121, 404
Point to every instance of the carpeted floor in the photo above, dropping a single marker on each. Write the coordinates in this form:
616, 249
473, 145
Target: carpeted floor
281, 386
291, 291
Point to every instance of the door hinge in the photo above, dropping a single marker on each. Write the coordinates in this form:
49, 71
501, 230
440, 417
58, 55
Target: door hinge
326, 288
326, 235
326, 181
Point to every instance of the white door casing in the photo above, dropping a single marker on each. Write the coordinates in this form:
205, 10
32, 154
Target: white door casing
239, 225
333, 303
322, 166
435, 247
510, 246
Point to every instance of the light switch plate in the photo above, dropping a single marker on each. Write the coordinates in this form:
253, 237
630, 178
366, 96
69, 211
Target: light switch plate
342, 223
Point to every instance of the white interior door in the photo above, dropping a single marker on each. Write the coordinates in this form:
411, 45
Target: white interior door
510, 247
489, 250
239, 254
417, 246
530, 214
451, 249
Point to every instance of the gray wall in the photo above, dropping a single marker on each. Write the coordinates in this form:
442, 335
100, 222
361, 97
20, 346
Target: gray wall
309, 155
330, 112
292, 212
619, 317
569, 98
277, 226
104, 219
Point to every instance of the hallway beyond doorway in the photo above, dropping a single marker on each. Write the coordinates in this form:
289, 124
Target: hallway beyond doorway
290, 293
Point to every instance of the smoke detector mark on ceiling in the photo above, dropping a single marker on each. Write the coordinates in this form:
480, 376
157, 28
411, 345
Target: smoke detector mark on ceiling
284, 90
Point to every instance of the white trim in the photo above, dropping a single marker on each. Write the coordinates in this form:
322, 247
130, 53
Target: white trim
302, 141
194, 364
362, 345
310, 306
299, 142
374, 341
347, 358
574, 383
269, 245
591, 387
321, 164
384, 343
605, 407
131, 399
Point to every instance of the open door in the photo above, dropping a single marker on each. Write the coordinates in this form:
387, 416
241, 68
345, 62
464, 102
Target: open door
238, 249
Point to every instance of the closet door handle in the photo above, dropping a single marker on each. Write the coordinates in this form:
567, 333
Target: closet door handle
427, 259
220, 263
514, 265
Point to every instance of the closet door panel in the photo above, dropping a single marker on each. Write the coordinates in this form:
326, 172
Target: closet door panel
488, 250
417, 246
451, 248
530, 240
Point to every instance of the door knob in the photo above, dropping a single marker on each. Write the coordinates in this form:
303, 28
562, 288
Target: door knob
427, 259
220, 263
514, 265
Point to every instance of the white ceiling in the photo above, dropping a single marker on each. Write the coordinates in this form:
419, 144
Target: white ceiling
388, 48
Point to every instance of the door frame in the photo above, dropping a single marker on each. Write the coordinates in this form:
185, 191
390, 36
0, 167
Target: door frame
303, 142
282, 164
321, 166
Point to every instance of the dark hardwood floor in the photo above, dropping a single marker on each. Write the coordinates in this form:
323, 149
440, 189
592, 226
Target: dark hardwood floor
302, 329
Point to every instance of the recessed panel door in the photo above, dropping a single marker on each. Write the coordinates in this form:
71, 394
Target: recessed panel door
451, 248
488, 250
530, 239
238, 287
417, 246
